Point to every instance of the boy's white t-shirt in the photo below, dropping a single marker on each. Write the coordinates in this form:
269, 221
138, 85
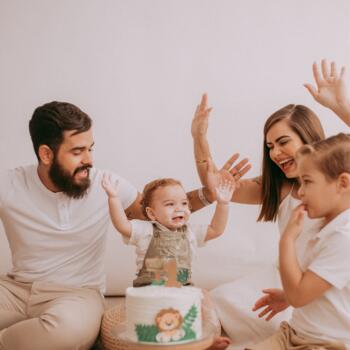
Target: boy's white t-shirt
328, 256
142, 233
52, 237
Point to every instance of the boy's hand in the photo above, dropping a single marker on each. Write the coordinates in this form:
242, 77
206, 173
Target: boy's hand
111, 190
273, 302
296, 223
224, 191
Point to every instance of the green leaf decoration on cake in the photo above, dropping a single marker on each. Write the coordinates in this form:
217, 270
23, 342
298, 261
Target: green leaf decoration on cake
187, 323
189, 334
158, 283
190, 317
182, 275
146, 333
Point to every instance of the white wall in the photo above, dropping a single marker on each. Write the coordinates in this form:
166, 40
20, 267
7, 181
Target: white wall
139, 67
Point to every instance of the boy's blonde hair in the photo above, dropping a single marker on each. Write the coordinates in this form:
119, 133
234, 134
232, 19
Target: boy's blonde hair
331, 156
150, 188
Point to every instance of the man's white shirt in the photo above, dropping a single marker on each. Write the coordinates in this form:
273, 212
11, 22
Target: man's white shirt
55, 238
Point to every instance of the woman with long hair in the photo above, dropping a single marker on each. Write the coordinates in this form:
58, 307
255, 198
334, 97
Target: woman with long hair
285, 131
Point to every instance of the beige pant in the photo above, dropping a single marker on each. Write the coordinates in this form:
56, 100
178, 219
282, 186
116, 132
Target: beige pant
43, 316
287, 339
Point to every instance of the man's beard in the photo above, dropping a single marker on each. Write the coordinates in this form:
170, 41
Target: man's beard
65, 181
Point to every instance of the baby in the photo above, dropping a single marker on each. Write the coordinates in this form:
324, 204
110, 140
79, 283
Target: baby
167, 234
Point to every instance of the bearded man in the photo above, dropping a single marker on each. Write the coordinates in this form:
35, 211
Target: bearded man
55, 216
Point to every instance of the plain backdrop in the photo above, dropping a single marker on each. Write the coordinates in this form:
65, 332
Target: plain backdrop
139, 67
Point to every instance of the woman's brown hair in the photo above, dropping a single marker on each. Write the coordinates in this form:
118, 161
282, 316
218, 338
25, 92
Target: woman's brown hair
304, 122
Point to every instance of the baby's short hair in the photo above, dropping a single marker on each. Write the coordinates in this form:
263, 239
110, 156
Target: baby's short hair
150, 188
331, 155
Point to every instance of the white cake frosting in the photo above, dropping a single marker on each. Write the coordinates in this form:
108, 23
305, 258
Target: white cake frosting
158, 314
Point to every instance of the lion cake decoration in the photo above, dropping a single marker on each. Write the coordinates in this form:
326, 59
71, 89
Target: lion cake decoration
169, 324
163, 315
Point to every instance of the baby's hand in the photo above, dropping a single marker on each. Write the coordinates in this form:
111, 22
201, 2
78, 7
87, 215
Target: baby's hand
111, 190
224, 191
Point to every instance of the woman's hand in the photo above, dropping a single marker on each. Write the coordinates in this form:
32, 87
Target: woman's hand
331, 90
273, 302
234, 172
230, 173
199, 125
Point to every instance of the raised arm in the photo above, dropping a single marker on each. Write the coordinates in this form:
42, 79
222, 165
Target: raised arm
118, 216
300, 287
330, 90
219, 220
199, 130
248, 190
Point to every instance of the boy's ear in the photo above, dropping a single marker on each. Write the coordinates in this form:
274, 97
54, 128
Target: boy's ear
45, 154
344, 181
150, 213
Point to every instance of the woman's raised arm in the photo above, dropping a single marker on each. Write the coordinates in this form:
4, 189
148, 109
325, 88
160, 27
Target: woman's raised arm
247, 191
330, 90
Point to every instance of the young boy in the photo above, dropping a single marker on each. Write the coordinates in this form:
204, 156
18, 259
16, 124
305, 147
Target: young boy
318, 286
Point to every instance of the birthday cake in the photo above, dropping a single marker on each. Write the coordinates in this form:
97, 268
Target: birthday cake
163, 315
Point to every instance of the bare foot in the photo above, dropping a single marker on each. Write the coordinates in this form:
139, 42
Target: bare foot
220, 343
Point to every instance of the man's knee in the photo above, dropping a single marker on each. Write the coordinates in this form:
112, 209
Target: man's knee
48, 331
70, 330
11, 304
8, 318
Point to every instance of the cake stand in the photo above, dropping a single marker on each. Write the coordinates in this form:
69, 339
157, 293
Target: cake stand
205, 342
113, 327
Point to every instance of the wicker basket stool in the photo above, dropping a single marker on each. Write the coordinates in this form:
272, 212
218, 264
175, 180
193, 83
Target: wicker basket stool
116, 317
112, 318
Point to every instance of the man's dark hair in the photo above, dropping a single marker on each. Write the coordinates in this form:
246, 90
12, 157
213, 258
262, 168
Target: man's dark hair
50, 120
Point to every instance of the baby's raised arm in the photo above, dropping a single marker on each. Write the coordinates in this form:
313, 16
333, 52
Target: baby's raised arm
218, 223
116, 211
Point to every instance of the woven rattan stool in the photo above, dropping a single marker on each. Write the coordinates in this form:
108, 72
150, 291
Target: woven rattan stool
112, 318
115, 317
